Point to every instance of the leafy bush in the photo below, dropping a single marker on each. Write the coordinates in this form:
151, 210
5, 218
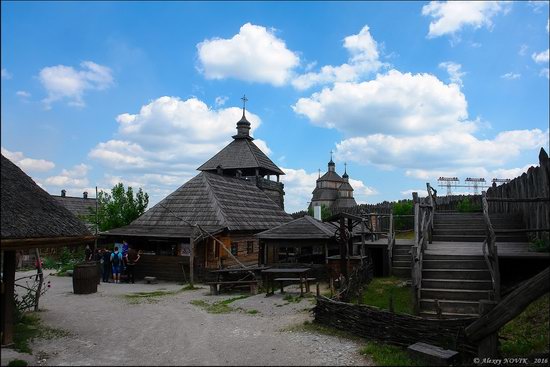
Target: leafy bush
18, 362
466, 206
403, 207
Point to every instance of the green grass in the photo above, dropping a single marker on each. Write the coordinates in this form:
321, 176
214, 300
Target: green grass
292, 299
388, 355
409, 235
252, 312
18, 362
28, 328
220, 306
529, 332
378, 294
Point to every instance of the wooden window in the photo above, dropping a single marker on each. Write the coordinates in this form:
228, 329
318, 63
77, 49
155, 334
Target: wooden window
234, 248
249, 247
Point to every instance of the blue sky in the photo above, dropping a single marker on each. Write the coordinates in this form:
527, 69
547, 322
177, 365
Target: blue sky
404, 92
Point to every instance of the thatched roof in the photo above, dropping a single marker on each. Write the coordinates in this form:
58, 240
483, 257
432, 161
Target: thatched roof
215, 202
242, 154
302, 228
29, 212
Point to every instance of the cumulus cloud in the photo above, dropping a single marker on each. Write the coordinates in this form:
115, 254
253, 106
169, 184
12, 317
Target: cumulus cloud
6, 74
541, 57
255, 54
451, 17
65, 82
220, 100
22, 94
28, 164
392, 103
511, 76
455, 75
73, 178
363, 59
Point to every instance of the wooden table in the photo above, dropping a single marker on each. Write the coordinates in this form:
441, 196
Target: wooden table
271, 274
246, 276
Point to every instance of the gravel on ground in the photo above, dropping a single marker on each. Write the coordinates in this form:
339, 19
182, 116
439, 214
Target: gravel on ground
109, 328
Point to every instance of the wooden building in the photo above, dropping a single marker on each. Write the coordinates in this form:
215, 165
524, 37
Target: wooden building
232, 199
82, 207
303, 240
333, 191
30, 218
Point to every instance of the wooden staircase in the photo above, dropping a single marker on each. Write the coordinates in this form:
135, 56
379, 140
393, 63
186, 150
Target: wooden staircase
455, 282
401, 259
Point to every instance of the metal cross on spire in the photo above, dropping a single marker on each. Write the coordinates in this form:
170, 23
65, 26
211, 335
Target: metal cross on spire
345, 167
331, 154
244, 99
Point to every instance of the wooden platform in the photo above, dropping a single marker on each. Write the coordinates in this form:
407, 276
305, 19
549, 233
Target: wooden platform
505, 249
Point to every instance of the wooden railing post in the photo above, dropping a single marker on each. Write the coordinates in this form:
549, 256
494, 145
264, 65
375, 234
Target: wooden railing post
487, 346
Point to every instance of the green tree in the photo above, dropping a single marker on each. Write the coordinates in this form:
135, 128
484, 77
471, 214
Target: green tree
402, 207
325, 212
120, 207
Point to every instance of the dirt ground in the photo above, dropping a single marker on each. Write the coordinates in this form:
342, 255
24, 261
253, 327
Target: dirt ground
107, 328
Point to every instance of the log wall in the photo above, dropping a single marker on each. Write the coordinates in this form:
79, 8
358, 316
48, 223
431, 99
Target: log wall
397, 329
535, 183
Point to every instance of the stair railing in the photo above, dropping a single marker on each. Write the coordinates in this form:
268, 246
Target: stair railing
391, 243
490, 251
423, 220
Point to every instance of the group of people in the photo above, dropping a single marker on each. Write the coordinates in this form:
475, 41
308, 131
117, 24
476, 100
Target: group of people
121, 261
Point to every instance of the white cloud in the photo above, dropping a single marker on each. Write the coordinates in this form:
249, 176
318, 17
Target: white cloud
451, 17
28, 164
73, 178
523, 50
255, 54
160, 146
455, 75
541, 57
545, 72
511, 76
220, 101
64, 82
22, 94
363, 59
393, 103
6, 74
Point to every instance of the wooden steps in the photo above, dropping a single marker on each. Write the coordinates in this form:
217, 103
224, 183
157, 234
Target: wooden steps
401, 259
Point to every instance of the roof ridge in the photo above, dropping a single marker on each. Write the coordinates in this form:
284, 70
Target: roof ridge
318, 224
252, 152
222, 217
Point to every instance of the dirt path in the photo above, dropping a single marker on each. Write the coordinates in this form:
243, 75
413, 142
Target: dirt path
106, 328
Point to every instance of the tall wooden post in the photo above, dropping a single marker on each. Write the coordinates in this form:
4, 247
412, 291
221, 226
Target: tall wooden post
191, 261
8, 303
343, 248
488, 346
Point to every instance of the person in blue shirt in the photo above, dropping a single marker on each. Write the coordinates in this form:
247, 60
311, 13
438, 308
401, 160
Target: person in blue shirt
116, 264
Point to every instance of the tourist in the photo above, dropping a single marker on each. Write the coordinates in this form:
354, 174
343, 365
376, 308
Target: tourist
106, 265
124, 271
116, 264
97, 259
132, 257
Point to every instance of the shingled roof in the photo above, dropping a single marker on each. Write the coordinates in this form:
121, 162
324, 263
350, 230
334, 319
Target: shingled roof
29, 212
242, 154
213, 201
305, 227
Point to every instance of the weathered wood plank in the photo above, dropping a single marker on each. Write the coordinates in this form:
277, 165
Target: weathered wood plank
510, 307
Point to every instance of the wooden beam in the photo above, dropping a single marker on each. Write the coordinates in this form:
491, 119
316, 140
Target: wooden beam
30, 243
191, 261
8, 302
510, 307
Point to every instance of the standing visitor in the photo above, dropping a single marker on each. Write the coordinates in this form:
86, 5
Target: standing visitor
116, 264
87, 253
106, 265
132, 257
124, 272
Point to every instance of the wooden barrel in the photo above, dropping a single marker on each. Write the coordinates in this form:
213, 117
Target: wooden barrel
85, 278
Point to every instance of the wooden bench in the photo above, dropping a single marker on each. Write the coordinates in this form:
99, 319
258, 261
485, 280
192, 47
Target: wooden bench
431, 354
151, 280
297, 280
252, 283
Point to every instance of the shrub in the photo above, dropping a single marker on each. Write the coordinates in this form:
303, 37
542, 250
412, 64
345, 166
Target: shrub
466, 206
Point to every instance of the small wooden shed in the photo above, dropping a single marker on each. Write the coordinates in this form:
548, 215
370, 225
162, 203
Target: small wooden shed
30, 218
